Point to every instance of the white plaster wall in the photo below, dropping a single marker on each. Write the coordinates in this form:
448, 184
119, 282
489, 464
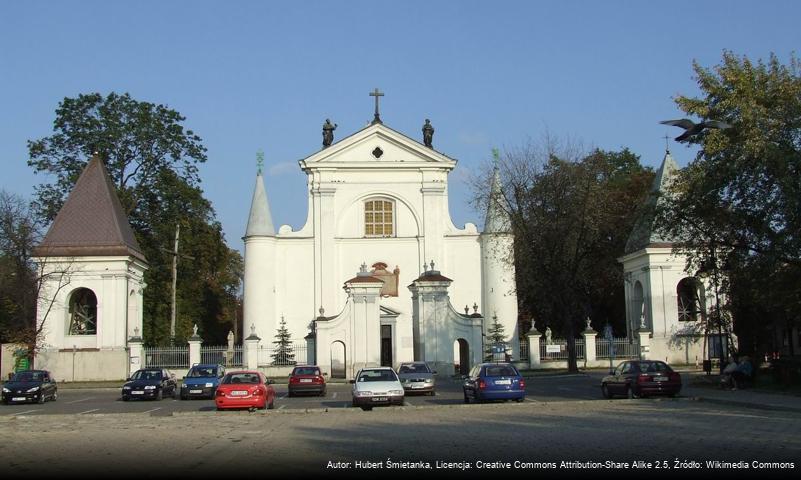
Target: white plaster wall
82, 366
115, 282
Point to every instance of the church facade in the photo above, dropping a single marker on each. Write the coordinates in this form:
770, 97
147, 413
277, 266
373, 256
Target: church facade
378, 209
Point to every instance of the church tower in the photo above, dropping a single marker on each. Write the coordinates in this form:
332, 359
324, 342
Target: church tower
259, 282
663, 300
93, 271
499, 294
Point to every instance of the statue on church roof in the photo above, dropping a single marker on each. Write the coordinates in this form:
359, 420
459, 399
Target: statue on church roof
428, 134
328, 132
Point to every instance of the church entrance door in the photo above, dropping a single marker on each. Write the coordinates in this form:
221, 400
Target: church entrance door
386, 345
463, 350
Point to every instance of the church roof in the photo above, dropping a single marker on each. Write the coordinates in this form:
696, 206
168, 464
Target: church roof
497, 220
260, 222
91, 222
645, 232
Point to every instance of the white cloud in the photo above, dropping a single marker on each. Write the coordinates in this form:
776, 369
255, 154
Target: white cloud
282, 168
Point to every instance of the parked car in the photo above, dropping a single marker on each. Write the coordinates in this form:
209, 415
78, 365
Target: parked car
245, 389
376, 386
494, 381
150, 383
306, 379
416, 377
201, 381
640, 378
30, 386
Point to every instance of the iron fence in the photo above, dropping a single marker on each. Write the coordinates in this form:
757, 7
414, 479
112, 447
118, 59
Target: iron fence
523, 349
222, 355
292, 354
549, 351
617, 348
166, 357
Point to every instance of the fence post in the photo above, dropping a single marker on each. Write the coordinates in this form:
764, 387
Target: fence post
533, 337
589, 345
195, 343
136, 359
645, 343
250, 349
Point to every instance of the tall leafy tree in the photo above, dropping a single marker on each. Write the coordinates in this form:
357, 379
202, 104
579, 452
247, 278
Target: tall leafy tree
736, 207
571, 214
152, 160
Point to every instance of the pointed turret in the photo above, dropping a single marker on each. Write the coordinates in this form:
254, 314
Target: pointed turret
498, 295
497, 220
645, 232
260, 222
92, 221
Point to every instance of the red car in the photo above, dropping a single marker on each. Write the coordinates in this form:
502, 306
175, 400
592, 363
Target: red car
245, 389
306, 379
640, 378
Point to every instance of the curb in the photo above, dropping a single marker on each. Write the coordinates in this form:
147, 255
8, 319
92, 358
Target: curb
751, 405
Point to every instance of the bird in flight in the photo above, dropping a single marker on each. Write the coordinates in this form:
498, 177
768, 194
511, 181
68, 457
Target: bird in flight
691, 128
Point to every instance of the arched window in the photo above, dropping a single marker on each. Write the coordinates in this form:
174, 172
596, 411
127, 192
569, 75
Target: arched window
690, 298
379, 218
83, 312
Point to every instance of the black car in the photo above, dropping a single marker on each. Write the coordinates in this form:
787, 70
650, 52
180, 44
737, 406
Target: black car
150, 383
30, 386
641, 378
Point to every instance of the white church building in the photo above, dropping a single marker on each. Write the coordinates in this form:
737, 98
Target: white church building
377, 273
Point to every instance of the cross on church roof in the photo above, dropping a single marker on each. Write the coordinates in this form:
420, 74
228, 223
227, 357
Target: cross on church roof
666, 137
260, 161
375, 93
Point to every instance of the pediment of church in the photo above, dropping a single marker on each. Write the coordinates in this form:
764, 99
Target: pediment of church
380, 146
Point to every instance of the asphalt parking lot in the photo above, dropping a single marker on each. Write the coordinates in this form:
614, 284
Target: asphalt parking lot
449, 392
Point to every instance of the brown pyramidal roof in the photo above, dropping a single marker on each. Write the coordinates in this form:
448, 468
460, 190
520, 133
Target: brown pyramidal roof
91, 222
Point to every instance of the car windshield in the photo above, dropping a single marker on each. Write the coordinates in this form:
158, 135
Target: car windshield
197, 372
414, 368
28, 377
146, 375
306, 371
236, 378
500, 371
377, 376
654, 367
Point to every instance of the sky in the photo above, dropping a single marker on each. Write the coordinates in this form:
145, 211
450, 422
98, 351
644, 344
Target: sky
251, 75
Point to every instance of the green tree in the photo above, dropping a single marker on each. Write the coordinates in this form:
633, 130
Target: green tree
284, 353
152, 160
571, 214
735, 207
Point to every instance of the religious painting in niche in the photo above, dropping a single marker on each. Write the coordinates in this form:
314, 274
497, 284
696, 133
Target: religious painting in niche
83, 312
690, 293
379, 218
390, 288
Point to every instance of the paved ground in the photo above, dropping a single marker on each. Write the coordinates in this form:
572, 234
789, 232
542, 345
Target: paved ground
554, 425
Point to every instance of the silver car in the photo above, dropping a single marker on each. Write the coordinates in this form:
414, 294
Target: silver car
376, 386
417, 377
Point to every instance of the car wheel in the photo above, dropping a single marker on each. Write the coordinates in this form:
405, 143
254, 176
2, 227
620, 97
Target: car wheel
42, 398
55, 396
290, 394
272, 404
159, 394
125, 399
367, 409
518, 400
466, 398
605, 391
432, 393
630, 393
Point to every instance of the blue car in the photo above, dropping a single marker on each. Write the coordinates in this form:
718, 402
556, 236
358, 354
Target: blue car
201, 381
494, 381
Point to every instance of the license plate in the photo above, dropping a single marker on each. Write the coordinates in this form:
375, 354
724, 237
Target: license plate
417, 386
380, 399
239, 393
503, 382
18, 399
305, 380
137, 393
660, 379
195, 391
